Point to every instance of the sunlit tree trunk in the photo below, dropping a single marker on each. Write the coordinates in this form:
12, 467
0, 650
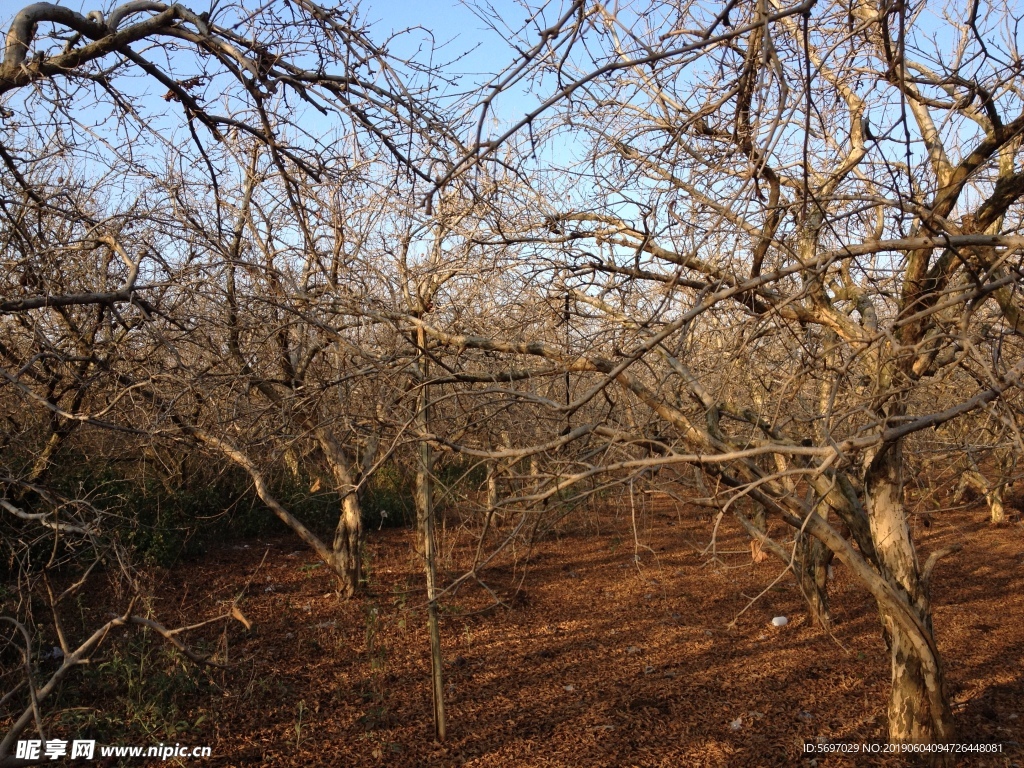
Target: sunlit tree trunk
919, 711
993, 492
346, 554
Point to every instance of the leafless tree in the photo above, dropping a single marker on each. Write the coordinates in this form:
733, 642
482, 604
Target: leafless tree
778, 243
117, 210
794, 236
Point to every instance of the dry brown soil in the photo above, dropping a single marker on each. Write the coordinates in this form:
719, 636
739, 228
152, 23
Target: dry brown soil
617, 651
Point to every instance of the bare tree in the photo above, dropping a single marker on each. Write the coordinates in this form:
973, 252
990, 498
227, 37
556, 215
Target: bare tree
777, 243
792, 241
117, 208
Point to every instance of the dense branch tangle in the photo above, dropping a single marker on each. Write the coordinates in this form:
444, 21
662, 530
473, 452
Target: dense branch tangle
146, 244
787, 272
775, 242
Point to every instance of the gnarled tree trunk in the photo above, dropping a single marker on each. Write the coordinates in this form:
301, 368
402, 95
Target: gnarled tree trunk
346, 552
919, 710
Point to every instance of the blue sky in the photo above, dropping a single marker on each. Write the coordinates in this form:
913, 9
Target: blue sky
465, 35
462, 39
449, 20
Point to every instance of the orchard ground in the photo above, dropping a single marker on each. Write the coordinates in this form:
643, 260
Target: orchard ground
625, 641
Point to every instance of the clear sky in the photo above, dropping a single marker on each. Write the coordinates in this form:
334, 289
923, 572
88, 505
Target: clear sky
450, 22
462, 37
466, 37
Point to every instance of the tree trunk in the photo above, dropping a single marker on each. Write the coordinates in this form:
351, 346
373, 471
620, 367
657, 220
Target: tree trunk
492, 486
812, 561
812, 556
759, 519
425, 518
492, 504
996, 508
919, 711
993, 492
347, 554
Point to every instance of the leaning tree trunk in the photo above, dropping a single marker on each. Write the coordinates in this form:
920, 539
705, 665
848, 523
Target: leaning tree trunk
919, 711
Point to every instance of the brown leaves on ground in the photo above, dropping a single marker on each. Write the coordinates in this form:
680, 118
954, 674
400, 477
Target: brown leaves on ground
611, 654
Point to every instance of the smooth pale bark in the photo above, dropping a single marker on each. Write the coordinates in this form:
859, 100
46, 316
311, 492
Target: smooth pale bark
346, 557
919, 711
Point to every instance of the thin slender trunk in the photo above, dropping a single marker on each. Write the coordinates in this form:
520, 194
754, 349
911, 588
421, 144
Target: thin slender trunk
263, 491
425, 518
492, 504
492, 487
